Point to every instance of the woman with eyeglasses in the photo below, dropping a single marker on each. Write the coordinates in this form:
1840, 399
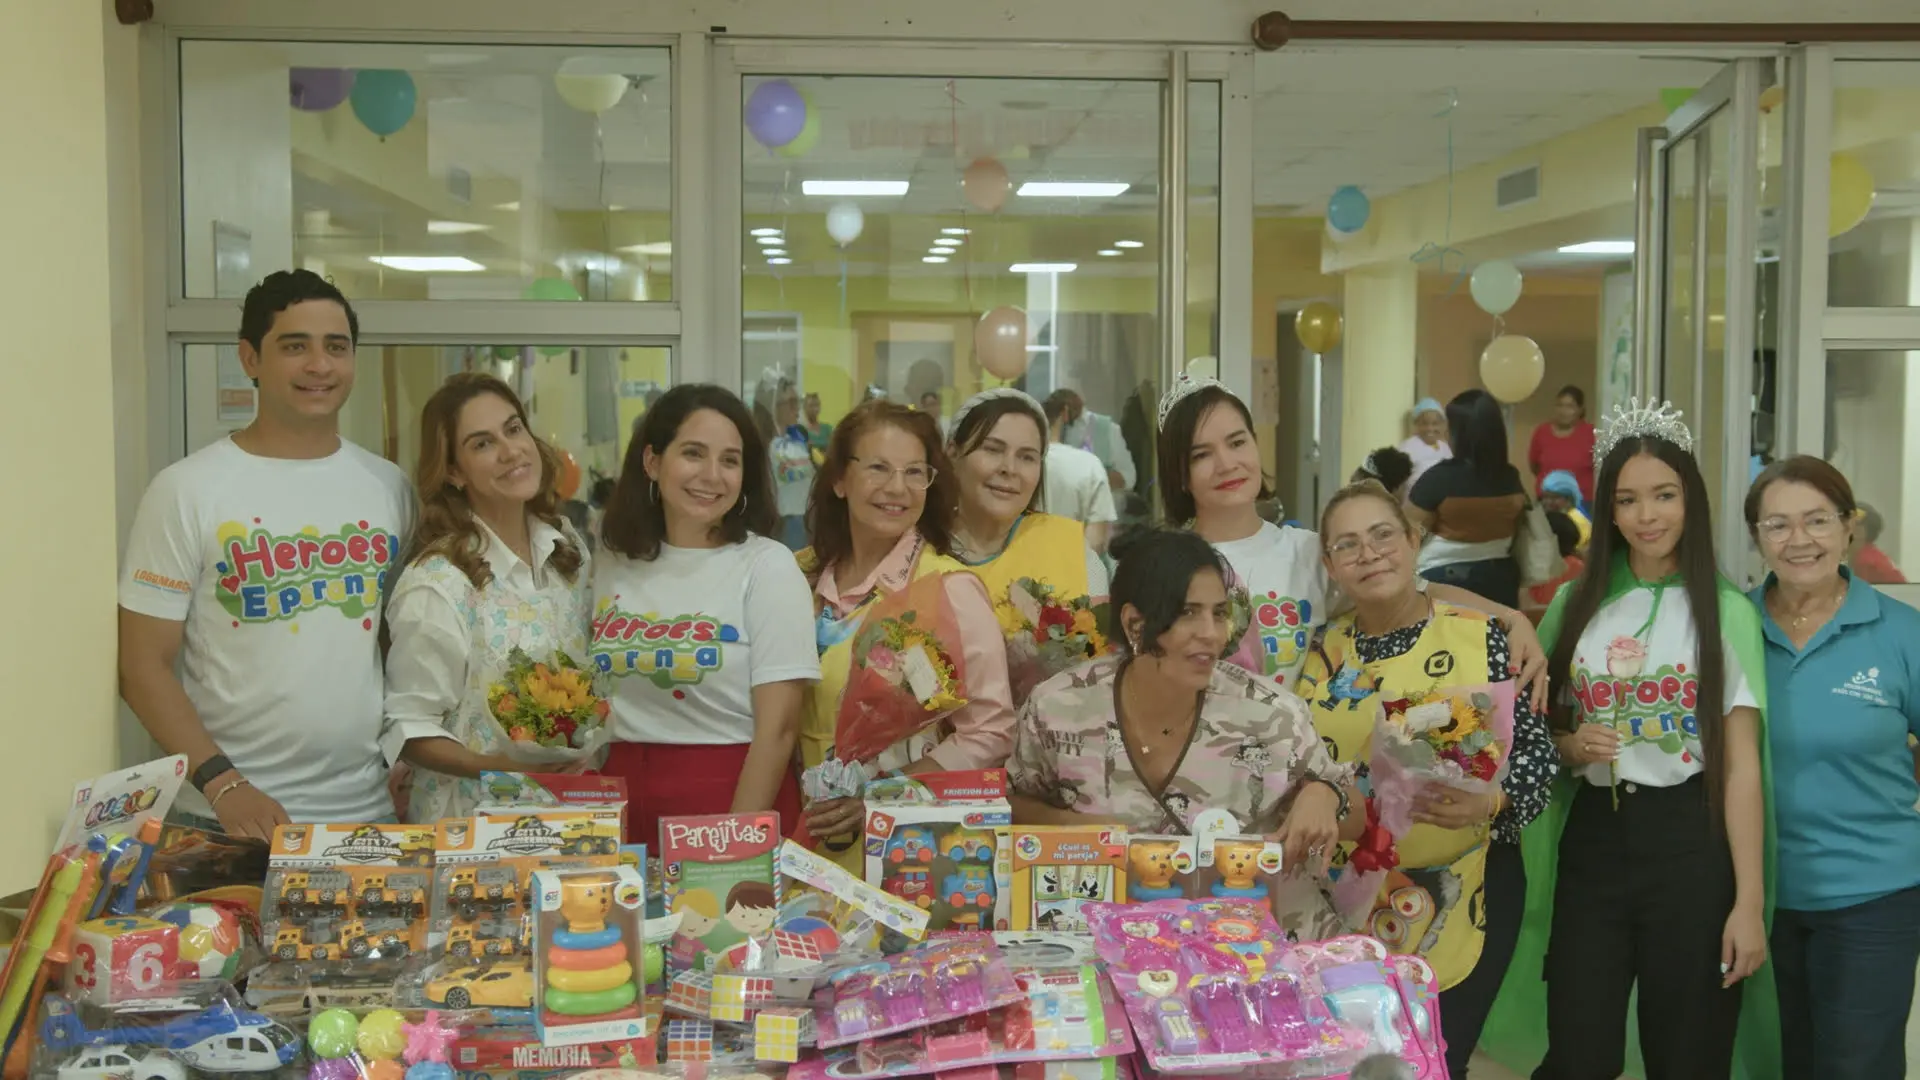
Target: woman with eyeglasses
1843, 671
1455, 887
881, 517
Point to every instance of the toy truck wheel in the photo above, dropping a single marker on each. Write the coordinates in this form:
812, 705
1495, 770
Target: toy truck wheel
458, 998
984, 900
358, 948
925, 901
321, 952
463, 892
925, 855
493, 948
461, 948
286, 952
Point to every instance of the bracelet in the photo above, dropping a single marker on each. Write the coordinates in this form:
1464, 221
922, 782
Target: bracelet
1339, 814
214, 801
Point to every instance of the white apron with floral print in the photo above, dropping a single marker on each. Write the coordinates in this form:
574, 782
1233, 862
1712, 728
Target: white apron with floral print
551, 619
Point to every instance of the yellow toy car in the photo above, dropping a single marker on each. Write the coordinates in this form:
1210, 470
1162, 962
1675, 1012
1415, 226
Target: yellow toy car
508, 986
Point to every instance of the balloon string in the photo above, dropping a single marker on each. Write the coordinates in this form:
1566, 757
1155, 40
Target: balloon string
966, 238
1429, 251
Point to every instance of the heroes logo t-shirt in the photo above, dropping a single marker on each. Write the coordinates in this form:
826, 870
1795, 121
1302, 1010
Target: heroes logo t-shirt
278, 569
1287, 587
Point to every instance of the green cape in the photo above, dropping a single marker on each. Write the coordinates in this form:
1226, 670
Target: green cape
1516, 1031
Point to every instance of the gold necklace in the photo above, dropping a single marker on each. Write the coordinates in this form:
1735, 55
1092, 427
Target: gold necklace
1832, 600
1127, 711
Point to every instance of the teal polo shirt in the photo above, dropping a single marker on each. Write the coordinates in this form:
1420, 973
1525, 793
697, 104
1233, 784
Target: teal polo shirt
1839, 712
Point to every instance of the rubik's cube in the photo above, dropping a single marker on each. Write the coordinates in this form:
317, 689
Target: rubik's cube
778, 1032
792, 946
691, 992
689, 1040
734, 996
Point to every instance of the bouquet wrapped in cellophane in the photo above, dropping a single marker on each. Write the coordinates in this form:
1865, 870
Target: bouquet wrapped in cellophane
1047, 633
549, 712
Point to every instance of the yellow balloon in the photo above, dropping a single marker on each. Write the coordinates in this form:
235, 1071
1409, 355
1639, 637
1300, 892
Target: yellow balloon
591, 93
1849, 193
1318, 327
1511, 367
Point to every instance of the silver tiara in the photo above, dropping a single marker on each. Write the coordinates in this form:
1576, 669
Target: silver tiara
1634, 420
1185, 386
984, 396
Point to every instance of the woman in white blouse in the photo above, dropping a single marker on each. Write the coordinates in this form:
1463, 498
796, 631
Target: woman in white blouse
702, 621
493, 567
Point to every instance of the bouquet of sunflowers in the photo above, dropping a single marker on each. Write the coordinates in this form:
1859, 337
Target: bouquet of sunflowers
1047, 633
909, 673
1458, 737
549, 711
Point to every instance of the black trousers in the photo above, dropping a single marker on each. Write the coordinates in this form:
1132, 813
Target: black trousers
1464, 1005
1642, 898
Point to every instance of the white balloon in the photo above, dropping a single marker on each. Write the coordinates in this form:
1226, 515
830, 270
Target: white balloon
844, 223
1204, 367
1495, 286
591, 93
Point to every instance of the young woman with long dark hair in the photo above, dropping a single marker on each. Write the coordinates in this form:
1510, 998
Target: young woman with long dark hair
1657, 852
1471, 504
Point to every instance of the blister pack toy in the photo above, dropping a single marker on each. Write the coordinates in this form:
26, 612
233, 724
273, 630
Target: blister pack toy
482, 865
589, 940
939, 841
1055, 869
347, 892
198, 1026
939, 981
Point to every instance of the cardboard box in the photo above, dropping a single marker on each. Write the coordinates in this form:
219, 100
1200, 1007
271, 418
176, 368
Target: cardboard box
589, 942
1055, 869
939, 840
720, 878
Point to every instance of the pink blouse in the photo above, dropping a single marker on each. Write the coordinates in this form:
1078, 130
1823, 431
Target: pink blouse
982, 736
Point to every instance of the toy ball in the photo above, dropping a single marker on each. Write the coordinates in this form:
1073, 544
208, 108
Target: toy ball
209, 937
380, 1037
340, 1068
655, 964
385, 1070
430, 1070
330, 1034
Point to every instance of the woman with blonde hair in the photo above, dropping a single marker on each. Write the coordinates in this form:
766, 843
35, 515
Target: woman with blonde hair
493, 567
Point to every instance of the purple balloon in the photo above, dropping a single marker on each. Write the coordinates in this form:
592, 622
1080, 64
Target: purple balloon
318, 89
776, 113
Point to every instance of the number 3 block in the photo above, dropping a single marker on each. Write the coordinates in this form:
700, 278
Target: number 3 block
122, 957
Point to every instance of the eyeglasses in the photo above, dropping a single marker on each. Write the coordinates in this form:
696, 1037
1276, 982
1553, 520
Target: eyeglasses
1380, 539
919, 477
1819, 525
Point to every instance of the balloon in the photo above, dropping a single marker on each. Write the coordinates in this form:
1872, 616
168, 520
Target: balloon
775, 113
330, 1034
1674, 97
1772, 97
429, 1070
1511, 367
548, 288
318, 89
1203, 367
1000, 341
380, 1036
809, 132
591, 93
382, 1069
1318, 327
569, 483
1349, 209
1495, 285
1849, 193
986, 185
844, 223
383, 100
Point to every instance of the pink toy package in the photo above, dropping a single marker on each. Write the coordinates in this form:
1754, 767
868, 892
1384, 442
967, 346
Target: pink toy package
938, 982
1214, 986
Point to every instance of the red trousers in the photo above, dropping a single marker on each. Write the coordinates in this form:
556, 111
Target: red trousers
673, 780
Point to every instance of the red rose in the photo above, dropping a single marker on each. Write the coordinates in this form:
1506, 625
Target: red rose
1056, 616
1483, 767
564, 726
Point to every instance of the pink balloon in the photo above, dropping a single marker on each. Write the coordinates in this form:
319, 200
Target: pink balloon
1000, 341
986, 184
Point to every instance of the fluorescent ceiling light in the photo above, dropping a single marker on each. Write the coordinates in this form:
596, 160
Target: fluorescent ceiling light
454, 228
1128, 244
1050, 189
1043, 268
1599, 247
765, 232
951, 231
1109, 252
774, 251
933, 258
509, 207
658, 247
853, 187
779, 262
946, 242
767, 241
428, 264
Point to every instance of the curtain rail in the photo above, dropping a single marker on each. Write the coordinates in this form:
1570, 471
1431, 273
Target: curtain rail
1275, 29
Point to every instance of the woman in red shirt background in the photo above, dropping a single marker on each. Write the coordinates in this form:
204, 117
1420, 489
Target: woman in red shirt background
1565, 442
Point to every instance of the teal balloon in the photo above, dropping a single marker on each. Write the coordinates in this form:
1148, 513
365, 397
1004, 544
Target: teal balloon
1348, 209
383, 100
551, 288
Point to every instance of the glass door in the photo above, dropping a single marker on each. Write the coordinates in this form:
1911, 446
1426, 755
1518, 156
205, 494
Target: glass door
1698, 281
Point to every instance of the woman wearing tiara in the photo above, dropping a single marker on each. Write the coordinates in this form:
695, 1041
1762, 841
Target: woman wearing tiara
1650, 867
1210, 476
1037, 567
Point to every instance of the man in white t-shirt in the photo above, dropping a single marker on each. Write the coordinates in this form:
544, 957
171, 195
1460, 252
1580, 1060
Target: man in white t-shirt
1076, 481
1100, 436
258, 565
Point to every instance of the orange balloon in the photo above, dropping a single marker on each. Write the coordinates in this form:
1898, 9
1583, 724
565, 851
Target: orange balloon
986, 184
1000, 341
569, 484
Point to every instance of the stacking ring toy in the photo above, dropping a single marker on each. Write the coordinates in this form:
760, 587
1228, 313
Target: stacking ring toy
586, 959
579, 940
590, 981
595, 1004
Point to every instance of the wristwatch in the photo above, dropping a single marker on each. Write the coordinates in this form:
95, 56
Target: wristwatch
1340, 813
209, 769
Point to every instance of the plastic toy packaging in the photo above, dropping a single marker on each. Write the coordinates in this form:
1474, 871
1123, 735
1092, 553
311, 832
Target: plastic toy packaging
918, 989
200, 1026
383, 1044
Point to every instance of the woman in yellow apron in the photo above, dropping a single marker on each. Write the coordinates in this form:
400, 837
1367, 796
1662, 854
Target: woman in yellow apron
1037, 567
881, 517
1455, 887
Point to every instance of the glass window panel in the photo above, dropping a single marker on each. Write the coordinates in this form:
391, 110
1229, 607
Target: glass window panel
428, 172
1873, 436
1874, 185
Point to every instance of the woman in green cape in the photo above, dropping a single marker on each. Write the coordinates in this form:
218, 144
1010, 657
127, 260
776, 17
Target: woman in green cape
1650, 871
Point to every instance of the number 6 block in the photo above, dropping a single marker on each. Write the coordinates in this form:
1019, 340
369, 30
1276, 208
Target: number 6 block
121, 957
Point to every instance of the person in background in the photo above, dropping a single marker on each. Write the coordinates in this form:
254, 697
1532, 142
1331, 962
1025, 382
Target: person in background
699, 619
1427, 446
1390, 467
1560, 493
818, 430
1137, 431
494, 567
1565, 442
1076, 482
1150, 738
998, 450
265, 554
597, 497
1843, 682
792, 466
1538, 597
1471, 503
930, 404
881, 517
1461, 885
1873, 565
1100, 436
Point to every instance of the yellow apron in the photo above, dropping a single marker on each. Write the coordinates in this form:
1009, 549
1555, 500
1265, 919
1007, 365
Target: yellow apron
1432, 902
1051, 550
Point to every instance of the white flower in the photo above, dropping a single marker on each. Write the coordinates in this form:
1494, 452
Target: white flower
921, 678
1426, 717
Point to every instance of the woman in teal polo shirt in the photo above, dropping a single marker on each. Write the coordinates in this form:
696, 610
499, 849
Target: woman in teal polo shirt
1843, 671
